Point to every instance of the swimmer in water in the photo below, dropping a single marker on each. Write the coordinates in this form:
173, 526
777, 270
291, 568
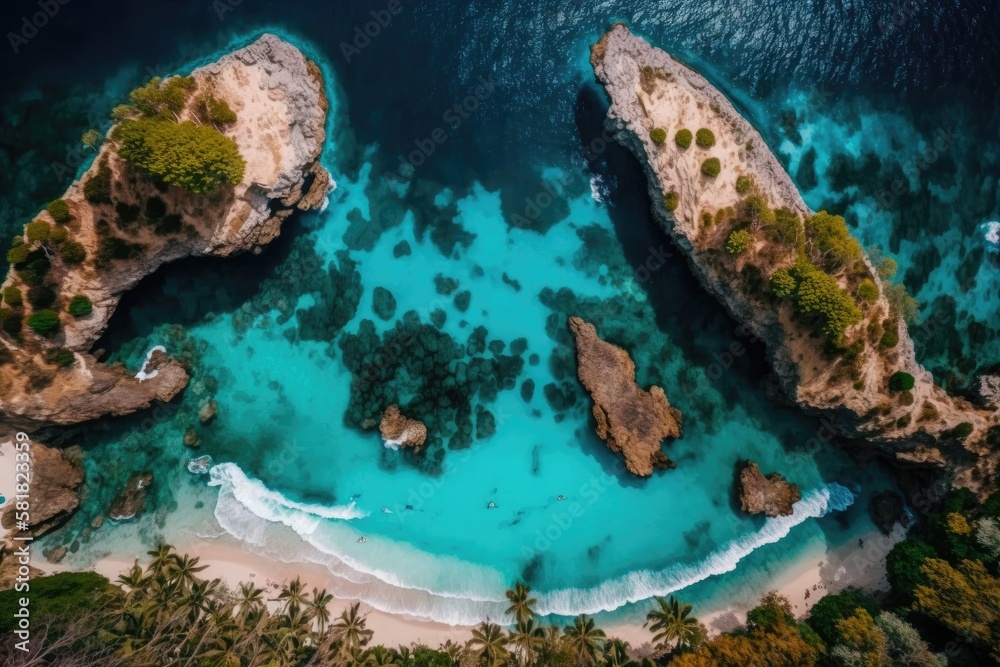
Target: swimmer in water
561, 498
362, 539
491, 505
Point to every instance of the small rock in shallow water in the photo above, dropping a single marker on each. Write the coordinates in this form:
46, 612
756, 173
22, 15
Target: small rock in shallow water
462, 300
191, 438
402, 249
383, 303
132, 501
208, 411
528, 390
200, 465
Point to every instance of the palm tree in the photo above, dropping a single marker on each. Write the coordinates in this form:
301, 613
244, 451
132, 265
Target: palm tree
294, 595
616, 653
527, 637
350, 629
488, 639
185, 568
521, 604
163, 559
673, 625
380, 656
318, 607
584, 638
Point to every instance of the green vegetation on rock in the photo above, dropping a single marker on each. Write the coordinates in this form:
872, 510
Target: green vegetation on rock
743, 184
671, 201
868, 291
97, 188
705, 138
711, 167
786, 228
79, 306
831, 242
12, 296
72, 252
195, 157
901, 381
37, 230
162, 99
59, 210
738, 242
683, 138
783, 284
658, 135
215, 111
44, 321
819, 295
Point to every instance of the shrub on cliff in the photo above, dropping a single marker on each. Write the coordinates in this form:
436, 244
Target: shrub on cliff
97, 188
12, 296
890, 338
658, 135
820, 296
671, 201
18, 254
755, 209
683, 138
900, 381
57, 235
832, 243
215, 111
783, 284
60, 356
44, 321
59, 210
711, 167
786, 227
705, 138
113, 247
962, 431
743, 184
194, 157
868, 291
37, 230
72, 252
162, 99
887, 268
40, 296
80, 305
739, 242
11, 322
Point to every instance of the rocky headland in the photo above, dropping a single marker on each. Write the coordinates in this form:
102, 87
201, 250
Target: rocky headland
399, 431
56, 479
119, 223
770, 495
633, 422
833, 330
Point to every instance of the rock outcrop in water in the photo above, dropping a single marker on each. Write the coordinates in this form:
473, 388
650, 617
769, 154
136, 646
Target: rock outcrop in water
56, 476
399, 431
131, 502
280, 106
633, 422
771, 496
922, 429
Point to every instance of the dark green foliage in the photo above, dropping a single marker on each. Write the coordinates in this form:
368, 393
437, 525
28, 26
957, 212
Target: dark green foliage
40, 296
44, 321
127, 213
60, 356
37, 230
425, 657
704, 138
72, 252
195, 157
903, 567
711, 167
743, 184
671, 201
12, 296
962, 431
18, 254
65, 596
57, 235
215, 111
12, 323
156, 208
658, 135
890, 338
113, 247
837, 606
34, 268
832, 243
783, 284
786, 227
868, 291
97, 188
683, 138
818, 295
79, 306
900, 381
59, 210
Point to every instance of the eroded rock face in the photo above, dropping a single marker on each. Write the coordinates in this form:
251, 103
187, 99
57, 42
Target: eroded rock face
132, 500
56, 476
281, 108
771, 496
633, 422
648, 89
399, 431
886, 510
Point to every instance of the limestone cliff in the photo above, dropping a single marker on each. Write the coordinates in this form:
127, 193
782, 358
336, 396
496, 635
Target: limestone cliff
771, 496
280, 106
649, 89
56, 476
633, 422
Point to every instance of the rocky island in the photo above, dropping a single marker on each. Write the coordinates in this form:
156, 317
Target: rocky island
830, 318
208, 164
633, 422
770, 495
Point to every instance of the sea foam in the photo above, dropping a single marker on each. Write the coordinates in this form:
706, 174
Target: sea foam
398, 578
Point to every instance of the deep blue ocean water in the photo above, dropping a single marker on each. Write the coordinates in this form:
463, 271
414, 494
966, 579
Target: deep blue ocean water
853, 97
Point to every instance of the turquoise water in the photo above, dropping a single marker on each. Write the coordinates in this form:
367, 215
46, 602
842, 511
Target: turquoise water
291, 347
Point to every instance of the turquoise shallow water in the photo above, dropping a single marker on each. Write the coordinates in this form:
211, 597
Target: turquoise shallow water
281, 344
